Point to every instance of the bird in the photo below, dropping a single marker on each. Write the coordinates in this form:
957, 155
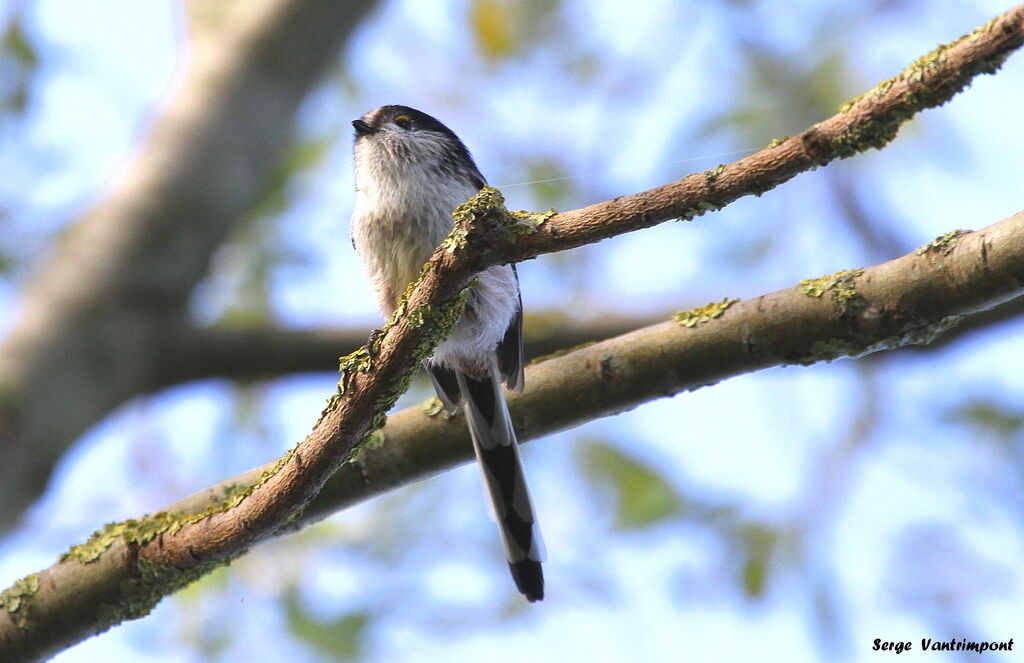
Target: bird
411, 172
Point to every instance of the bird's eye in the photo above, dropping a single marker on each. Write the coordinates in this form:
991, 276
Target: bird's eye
403, 121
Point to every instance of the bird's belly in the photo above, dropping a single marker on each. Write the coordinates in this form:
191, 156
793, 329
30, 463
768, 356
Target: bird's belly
395, 242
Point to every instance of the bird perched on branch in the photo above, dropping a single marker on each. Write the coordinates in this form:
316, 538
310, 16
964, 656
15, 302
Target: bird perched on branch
411, 172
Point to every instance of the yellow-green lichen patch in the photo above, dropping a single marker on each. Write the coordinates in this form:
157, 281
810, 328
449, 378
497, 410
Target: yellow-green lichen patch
841, 284
140, 531
143, 530
526, 223
374, 440
980, 31
455, 240
878, 129
360, 361
433, 407
703, 313
96, 544
778, 141
487, 201
18, 594
490, 201
436, 323
699, 210
922, 335
842, 287
233, 494
944, 244
712, 174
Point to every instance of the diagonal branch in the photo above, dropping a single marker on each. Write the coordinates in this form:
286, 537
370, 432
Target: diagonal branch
126, 568
869, 121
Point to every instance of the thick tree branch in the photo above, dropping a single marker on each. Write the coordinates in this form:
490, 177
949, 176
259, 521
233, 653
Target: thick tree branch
907, 300
256, 353
849, 313
89, 336
260, 352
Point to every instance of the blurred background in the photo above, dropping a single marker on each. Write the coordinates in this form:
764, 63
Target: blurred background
794, 514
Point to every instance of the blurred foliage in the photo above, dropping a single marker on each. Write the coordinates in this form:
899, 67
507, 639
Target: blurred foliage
19, 64
492, 22
19, 61
6, 260
641, 495
549, 181
990, 417
341, 638
504, 28
212, 637
257, 249
758, 542
778, 90
781, 93
303, 156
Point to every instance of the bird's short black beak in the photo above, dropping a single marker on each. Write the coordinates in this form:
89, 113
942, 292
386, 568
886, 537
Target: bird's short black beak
362, 128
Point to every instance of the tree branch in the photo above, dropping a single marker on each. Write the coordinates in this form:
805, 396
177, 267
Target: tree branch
255, 353
195, 353
138, 562
869, 121
903, 301
90, 333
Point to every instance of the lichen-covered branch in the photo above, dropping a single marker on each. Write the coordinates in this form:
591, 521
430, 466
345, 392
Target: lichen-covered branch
869, 121
908, 300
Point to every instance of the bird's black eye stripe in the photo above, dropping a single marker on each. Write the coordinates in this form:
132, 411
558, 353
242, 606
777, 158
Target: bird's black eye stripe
403, 121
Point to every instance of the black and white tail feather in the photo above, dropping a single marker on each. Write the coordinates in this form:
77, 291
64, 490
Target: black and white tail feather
497, 452
411, 172
494, 442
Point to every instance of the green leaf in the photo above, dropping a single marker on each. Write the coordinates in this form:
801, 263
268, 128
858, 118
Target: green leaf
15, 43
990, 417
759, 542
549, 181
642, 496
340, 638
302, 156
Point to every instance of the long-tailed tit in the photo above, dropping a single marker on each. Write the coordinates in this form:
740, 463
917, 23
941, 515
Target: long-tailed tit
411, 172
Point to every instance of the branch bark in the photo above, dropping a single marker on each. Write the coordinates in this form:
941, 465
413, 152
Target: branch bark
126, 568
255, 353
260, 352
91, 330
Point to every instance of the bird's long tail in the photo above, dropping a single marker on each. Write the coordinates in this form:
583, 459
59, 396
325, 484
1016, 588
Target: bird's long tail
494, 441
